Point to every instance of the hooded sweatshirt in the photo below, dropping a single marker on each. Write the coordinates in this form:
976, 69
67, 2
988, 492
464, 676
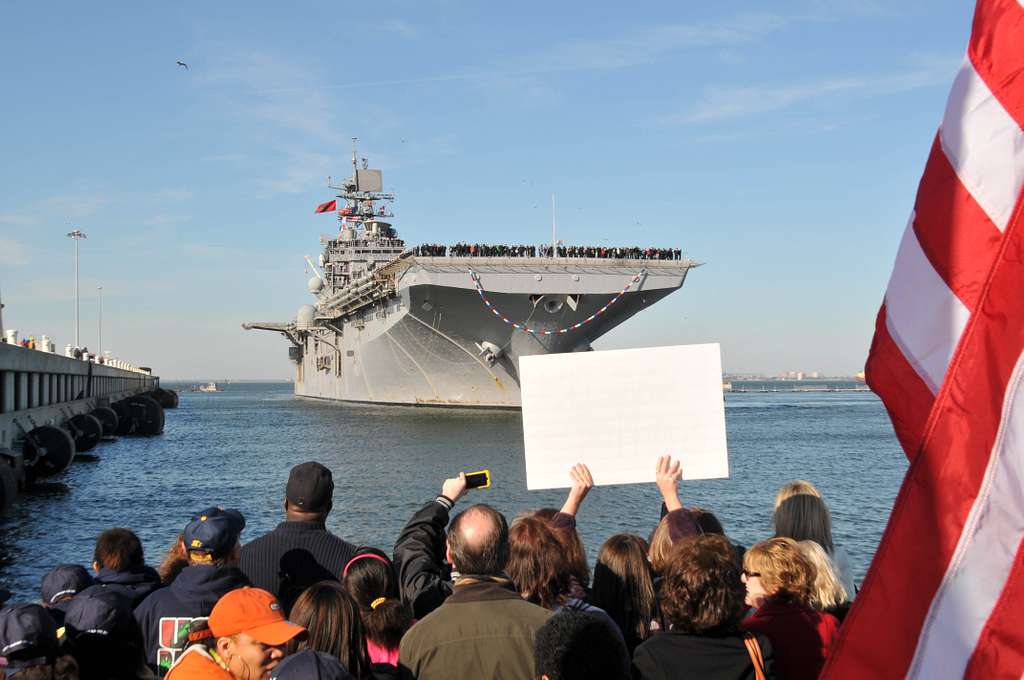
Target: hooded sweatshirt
135, 585
164, 616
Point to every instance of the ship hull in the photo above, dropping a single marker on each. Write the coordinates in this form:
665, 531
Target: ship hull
423, 346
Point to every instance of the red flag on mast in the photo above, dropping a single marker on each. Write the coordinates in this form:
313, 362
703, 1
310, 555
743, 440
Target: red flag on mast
329, 206
945, 591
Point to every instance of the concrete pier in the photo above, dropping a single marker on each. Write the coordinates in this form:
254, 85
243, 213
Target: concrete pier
38, 388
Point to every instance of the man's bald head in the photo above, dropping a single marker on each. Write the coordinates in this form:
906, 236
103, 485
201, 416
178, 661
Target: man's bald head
478, 541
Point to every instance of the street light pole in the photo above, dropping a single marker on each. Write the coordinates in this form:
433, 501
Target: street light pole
99, 289
76, 235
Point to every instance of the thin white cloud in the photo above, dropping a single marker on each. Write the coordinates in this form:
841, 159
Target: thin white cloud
12, 253
399, 27
301, 170
16, 219
288, 116
172, 195
211, 251
64, 209
165, 219
724, 103
641, 45
650, 44
222, 158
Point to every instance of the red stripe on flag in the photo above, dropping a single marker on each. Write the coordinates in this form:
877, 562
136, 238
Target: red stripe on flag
329, 206
899, 386
955, 234
996, 50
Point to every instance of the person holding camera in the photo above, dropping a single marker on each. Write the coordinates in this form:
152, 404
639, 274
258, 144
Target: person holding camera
482, 628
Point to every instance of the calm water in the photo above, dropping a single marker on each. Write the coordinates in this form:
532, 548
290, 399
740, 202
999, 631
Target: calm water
235, 449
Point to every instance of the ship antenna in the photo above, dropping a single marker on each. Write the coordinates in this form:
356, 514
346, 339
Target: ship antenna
355, 167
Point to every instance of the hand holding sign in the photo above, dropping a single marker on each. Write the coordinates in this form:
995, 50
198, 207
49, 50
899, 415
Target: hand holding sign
667, 474
582, 483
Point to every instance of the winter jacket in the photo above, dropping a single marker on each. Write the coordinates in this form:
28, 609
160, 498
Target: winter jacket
665, 656
293, 557
165, 615
134, 585
423, 576
801, 638
483, 630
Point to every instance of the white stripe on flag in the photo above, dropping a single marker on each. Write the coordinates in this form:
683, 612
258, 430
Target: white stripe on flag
923, 316
985, 553
984, 145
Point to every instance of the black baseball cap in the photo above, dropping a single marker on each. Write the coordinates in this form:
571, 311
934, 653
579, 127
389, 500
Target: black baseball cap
310, 487
27, 631
64, 580
213, 530
98, 611
311, 665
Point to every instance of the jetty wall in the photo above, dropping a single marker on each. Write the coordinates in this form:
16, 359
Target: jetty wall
39, 388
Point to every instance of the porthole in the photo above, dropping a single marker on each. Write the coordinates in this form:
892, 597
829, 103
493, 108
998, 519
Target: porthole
553, 306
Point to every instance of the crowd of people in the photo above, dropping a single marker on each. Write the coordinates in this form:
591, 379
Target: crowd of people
501, 250
462, 595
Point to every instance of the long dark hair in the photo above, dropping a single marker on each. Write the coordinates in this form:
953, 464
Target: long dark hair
537, 562
575, 553
331, 617
370, 579
624, 586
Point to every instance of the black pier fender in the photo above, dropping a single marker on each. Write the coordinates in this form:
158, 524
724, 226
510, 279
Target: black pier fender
48, 450
87, 431
108, 419
166, 398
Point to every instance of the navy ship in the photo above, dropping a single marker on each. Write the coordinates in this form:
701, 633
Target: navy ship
446, 326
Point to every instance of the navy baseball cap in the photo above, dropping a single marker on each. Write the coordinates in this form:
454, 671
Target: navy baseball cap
311, 665
214, 531
64, 581
98, 611
310, 487
27, 632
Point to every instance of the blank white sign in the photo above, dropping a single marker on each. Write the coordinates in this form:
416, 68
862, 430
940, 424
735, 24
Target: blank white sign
617, 411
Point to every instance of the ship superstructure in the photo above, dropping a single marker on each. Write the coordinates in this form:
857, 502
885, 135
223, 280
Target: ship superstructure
393, 325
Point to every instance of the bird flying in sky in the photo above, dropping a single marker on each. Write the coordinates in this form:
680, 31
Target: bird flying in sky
183, 64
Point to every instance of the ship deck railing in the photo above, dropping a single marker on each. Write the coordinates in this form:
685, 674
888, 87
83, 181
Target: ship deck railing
560, 262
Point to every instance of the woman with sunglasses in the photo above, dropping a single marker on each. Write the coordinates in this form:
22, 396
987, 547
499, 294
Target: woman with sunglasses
780, 585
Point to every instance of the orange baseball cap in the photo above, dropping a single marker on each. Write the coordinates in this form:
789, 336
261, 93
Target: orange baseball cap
254, 612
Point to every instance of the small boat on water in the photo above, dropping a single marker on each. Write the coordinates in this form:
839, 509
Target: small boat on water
209, 387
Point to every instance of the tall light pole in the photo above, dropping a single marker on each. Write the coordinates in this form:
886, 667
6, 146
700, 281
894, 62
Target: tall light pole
76, 235
99, 289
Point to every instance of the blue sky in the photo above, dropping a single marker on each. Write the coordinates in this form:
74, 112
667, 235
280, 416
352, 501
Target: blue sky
780, 144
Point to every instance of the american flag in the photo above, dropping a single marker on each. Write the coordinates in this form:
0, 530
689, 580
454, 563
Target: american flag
945, 593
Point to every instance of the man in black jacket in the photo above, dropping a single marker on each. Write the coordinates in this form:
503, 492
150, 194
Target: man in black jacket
300, 551
425, 579
211, 542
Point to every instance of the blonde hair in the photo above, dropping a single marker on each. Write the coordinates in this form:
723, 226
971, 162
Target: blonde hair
828, 590
795, 488
660, 546
785, 572
801, 514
